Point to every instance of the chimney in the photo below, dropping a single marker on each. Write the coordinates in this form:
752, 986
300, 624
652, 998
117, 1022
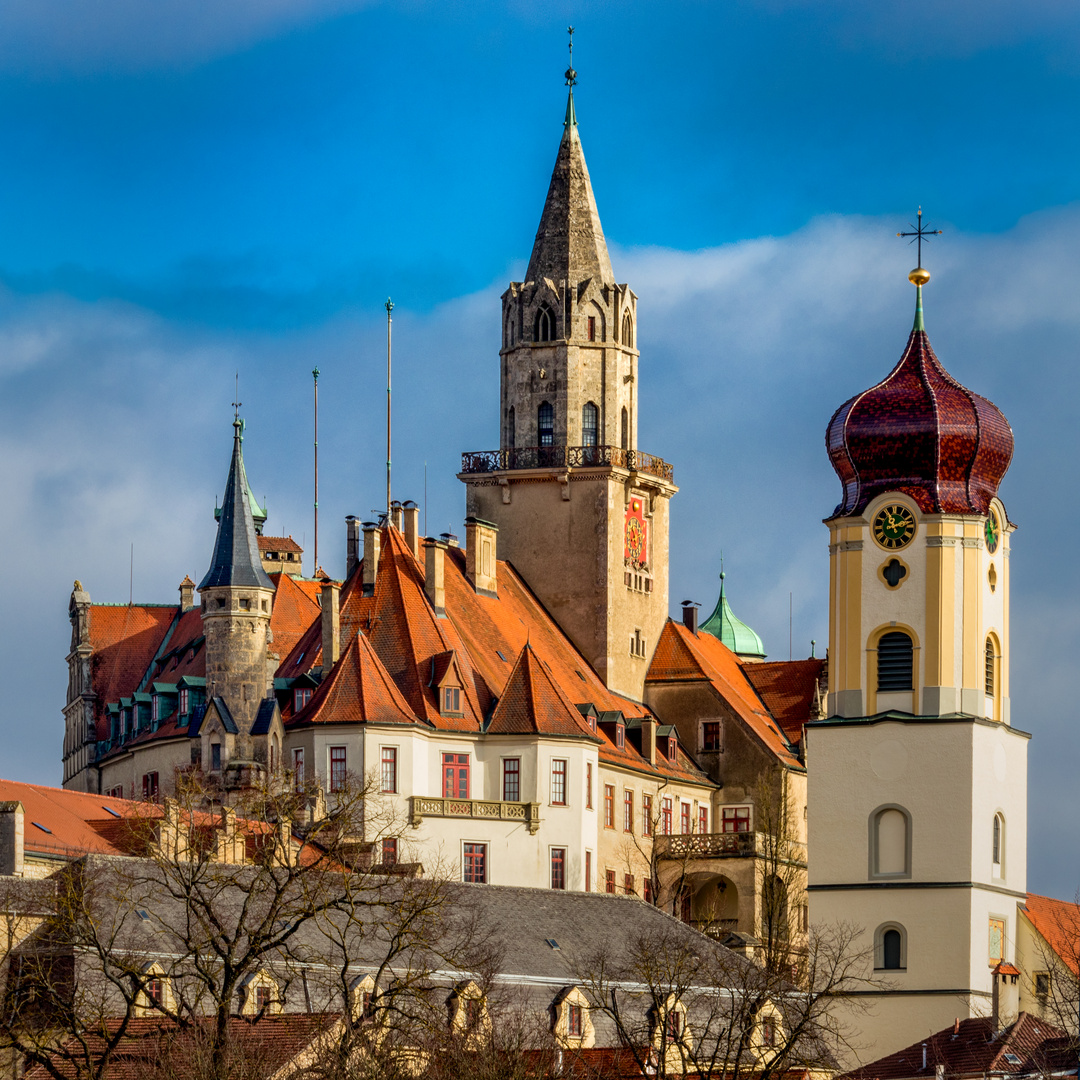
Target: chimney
187, 593
1005, 1005
331, 625
371, 556
480, 539
395, 515
689, 615
648, 738
434, 573
411, 514
11, 839
352, 543
449, 539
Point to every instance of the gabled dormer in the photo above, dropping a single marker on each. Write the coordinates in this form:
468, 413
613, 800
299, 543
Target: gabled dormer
447, 684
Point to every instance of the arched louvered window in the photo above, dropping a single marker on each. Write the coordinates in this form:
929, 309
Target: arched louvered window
991, 668
625, 429
544, 330
890, 947
590, 425
628, 331
545, 424
894, 662
511, 428
998, 852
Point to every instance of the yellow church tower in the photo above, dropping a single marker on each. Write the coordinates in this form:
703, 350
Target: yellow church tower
579, 510
917, 782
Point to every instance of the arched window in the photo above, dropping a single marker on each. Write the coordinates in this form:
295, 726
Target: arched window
544, 329
625, 429
545, 424
890, 947
628, 331
991, 668
894, 662
998, 848
590, 425
890, 842
511, 428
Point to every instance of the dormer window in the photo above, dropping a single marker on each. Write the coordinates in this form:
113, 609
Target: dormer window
672, 747
620, 735
184, 701
451, 700
301, 696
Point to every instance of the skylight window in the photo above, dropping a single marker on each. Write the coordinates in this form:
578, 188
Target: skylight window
43, 828
553, 943
1012, 1059
110, 810
500, 656
580, 676
143, 914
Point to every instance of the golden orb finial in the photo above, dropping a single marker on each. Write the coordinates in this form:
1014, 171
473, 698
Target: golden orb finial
919, 276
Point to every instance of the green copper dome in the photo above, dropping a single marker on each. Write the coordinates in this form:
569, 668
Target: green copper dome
731, 630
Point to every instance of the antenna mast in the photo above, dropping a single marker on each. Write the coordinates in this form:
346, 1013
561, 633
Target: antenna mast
389, 307
315, 376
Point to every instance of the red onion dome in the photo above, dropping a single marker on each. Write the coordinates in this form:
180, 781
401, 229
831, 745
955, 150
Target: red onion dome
921, 433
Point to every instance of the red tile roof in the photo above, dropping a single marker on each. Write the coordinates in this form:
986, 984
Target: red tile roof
533, 703
1058, 921
293, 612
682, 656
278, 543
970, 1048
788, 688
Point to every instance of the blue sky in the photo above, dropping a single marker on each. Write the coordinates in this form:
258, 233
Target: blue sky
190, 188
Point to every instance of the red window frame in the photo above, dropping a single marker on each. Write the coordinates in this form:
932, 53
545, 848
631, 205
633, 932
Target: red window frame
628, 811
558, 781
710, 736
389, 770
298, 768
735, 819
647, 891
474, 864
511, 790
609, 806
455, 776
673, 1024
152, 989
646, 815
574, 1014
389, 851
685, 821
338, 768
301, 696
609, 881
150, 785
262, 998
665, 817
703, 819
628, 885
592, 328
588, 785
588, 871
558, 868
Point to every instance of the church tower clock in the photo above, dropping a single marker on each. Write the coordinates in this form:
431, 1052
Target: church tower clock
917, 782
582, 513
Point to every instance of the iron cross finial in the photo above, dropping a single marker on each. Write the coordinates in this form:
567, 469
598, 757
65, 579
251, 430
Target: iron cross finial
237, 402
571, 74
918, 233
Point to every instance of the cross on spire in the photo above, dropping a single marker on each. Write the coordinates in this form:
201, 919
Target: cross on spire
237, 402
918, 234
571, 74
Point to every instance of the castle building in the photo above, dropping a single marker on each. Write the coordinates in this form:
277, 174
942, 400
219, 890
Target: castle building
917, 804
522, 707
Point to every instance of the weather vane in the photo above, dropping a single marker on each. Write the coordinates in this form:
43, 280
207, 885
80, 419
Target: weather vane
571, 74
237, 403
918, 233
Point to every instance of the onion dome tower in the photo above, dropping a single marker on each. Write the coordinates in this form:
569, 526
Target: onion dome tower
917, 792
724, 624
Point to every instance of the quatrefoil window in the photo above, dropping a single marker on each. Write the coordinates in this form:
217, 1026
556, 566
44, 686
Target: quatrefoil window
894, 572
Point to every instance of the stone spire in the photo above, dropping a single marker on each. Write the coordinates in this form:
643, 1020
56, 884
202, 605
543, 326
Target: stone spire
236, 560
570, 243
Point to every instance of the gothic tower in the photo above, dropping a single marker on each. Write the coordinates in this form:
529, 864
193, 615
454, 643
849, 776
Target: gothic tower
918, 782
581, 512
237, 598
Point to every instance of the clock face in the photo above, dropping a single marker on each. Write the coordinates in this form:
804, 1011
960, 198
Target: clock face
993, 532
635, 536
894, 526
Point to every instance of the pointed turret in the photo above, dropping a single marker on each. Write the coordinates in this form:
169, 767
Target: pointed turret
724, 624
570, 243
236, 560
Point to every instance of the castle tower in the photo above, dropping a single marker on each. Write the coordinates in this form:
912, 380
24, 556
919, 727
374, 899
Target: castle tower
917, 782
237, 598
581, 512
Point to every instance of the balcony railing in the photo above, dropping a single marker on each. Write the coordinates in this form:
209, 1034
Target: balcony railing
729, 845
565, 457
715, 928
481, 809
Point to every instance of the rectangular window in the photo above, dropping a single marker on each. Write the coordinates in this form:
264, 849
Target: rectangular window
337, 768
389, 851
588, 871
768, 1032
474, 864
628, 812
262, 998
620, 736
628, 885
609, 806
592, 327
184, 700
710, 736
301, 698
511, 779
646, 815
609, 881
1042, 986
116, 792
150, 785
647, 891
588, 785
573, 1013
558, 782
451, 699
665, 817
674, 1025
703, 819
153, 990
389, 769
298, 768
455, 776
215, 756
997, 940
558, 868
155, 709
684, 818
735, 819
